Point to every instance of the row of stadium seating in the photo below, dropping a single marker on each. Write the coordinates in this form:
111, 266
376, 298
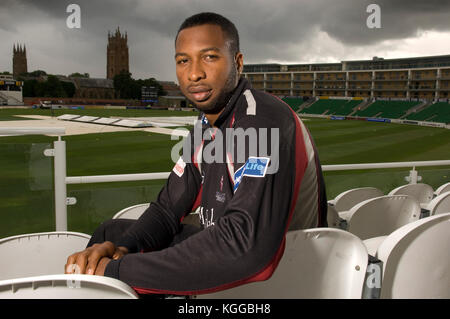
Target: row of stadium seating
438, 112
386, 109
323, 106
293, 102
345, 108
317, 263
332, 107
429, 201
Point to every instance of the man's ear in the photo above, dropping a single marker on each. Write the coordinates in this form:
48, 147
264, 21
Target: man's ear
239, 58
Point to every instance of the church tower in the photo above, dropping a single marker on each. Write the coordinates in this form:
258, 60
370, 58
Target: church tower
19, 60
117, 54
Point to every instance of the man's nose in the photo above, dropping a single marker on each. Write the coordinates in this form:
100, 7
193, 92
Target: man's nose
196, 73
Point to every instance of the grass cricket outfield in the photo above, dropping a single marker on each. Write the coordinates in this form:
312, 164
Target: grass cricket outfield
26, 183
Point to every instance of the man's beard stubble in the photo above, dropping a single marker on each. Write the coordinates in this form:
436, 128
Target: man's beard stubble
224, 95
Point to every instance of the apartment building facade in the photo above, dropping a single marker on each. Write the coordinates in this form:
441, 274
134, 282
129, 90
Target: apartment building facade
406, 78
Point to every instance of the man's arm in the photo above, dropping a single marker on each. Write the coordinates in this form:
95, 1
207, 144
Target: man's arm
158, 225
154, 229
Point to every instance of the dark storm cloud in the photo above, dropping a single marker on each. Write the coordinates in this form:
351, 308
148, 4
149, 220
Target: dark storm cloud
266, 21
282, 30
274, 30
346, 22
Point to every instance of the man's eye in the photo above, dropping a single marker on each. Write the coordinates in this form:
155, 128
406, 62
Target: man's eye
211, 57
182, 61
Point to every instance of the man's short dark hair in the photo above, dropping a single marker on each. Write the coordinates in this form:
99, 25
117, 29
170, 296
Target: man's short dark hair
228, 28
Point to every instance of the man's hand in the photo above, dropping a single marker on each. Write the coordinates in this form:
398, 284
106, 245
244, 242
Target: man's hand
96, 256
101, 266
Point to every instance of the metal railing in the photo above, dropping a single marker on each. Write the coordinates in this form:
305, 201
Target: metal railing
62, 180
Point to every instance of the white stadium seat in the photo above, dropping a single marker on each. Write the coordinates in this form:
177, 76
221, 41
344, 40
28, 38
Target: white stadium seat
439, 204
38, 254
132, 212
442, 189
65, 287
333, 218
422, 192
380, 216
346, 200
372, 244
317, 263
416, 260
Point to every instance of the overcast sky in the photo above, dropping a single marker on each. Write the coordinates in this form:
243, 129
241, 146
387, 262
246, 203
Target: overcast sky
283, 31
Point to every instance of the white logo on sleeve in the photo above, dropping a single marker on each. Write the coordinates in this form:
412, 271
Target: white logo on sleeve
179, 167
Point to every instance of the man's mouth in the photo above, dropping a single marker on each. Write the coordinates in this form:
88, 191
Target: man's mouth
200, 93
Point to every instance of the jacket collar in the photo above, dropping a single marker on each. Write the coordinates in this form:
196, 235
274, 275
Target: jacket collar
243, 84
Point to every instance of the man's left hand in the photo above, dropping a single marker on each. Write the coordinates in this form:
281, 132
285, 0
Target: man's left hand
101, 266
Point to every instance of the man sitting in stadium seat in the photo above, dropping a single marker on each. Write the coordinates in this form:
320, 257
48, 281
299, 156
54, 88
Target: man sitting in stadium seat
249, 195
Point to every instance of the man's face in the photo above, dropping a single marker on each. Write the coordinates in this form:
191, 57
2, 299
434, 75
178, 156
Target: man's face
206, 70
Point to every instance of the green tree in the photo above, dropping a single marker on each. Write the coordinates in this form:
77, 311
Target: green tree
53, 87
30, 88
129, 88
123, 84
36, 73
155, 83
69, 88
79, 75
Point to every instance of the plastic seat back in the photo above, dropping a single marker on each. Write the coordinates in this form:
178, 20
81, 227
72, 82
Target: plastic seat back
132, 212
382, 215
416, 260
346, 200
440, 204
317, 263
38, 254
422, 192
442, 189
65, 287
333, 219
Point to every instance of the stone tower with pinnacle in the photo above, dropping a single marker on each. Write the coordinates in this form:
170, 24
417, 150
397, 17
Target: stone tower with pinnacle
19, 60
117, 54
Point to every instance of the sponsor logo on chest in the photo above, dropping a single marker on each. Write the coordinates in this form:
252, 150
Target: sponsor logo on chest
253, 167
